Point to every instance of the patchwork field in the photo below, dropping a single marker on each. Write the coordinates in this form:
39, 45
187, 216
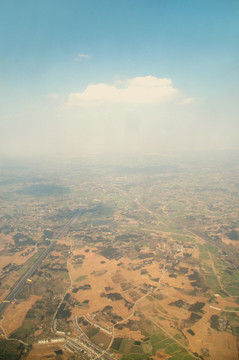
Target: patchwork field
148, 267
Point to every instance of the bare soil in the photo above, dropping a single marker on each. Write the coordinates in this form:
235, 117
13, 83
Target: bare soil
14, 315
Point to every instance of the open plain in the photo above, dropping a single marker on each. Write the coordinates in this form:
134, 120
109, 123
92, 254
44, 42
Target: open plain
147, 269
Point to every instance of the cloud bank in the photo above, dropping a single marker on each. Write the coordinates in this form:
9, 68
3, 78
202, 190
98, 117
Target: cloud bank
81, 56
53, 96
139, 90
135, 116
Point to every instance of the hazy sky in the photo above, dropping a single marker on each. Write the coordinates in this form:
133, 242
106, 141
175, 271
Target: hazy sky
109, 76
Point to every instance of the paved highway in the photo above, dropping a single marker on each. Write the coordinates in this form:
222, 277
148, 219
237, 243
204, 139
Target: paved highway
30, 271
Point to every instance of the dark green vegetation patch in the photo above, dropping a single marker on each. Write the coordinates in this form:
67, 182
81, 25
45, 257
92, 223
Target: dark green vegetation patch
197, 307
116, 343
10, 350
233, 235
41, 190
218, 323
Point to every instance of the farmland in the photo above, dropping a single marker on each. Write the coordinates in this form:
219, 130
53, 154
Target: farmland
149, 268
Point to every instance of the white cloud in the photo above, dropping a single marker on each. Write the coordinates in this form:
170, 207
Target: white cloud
81, 56
53, 96
138, 90
187, 101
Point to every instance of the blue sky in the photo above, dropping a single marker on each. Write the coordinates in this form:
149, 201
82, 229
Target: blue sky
53, 51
